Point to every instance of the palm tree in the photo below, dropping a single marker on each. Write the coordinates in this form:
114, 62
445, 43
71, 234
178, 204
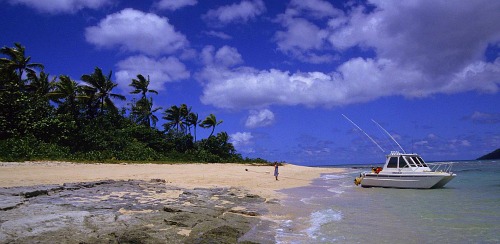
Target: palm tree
39, 84
210, 121
17, 61
141, 86
173, 115
143, 112
102, 86
178, 118
90, 101
192, 120
66, 93
18, 110
184, 113
66, 89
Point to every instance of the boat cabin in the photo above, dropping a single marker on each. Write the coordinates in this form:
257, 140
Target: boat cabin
405, 162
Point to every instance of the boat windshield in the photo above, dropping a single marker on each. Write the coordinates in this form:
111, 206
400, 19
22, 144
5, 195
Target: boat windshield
419, 159
402, 163
393, 162
410, 161
415, 159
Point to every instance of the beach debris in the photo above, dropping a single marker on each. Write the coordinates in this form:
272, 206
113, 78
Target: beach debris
171, 210
158, 180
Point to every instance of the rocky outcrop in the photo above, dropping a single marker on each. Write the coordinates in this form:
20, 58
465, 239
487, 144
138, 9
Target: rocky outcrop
129, 212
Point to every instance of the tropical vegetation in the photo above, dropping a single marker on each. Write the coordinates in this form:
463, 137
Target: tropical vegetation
44, 118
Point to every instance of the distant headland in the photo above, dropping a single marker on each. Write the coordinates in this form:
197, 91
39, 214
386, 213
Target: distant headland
492, 155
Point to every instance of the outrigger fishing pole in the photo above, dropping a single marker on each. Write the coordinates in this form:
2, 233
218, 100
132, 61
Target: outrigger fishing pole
374, 142
389, 135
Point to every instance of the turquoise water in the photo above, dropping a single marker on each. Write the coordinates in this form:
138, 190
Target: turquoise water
332, 209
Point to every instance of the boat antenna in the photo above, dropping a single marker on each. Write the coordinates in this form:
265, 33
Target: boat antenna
365, 133
389, 135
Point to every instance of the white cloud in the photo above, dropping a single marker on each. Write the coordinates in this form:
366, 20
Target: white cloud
259, 118
302, 38
228, 56
430, 36
238, 12
225, 56
174, 4
160, 71
62, 6
313, 8
135, 31
246, 87
420, 48
358, 80
241, 139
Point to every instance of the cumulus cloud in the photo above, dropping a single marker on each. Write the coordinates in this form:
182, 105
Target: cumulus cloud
225, 56
433, 37
160, 71
242, 141
174, 4
358, 80
302, 37
430, 36
303, 40
245, 87
259, 118
61, 6
419, 49
238, 12
135, 31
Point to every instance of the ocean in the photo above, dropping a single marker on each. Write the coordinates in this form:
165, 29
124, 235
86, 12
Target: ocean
333, 210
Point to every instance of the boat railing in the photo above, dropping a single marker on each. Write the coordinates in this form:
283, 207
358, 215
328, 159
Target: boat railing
441, 167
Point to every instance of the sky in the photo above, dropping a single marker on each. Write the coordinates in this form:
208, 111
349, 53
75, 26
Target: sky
280, 74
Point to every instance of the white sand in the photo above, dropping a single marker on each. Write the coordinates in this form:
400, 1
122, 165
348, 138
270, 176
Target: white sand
257, 179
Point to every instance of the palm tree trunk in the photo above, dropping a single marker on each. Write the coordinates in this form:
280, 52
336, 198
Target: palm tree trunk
213, 129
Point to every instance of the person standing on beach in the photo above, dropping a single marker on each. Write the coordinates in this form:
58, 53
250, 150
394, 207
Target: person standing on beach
276, 170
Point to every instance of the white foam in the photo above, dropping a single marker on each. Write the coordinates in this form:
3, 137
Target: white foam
310, 200
335, 190
349, 184
320, 218
285, 234
332, 177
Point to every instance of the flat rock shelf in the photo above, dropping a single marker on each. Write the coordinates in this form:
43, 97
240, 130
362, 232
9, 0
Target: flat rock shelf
130, 211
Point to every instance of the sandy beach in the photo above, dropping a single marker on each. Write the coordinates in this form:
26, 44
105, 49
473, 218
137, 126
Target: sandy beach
257, 179
142, 203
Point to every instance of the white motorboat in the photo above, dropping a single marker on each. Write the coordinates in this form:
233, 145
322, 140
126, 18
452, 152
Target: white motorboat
402, 170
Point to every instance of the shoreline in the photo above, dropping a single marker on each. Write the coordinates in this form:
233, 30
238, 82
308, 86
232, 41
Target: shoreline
178, 203
258, 180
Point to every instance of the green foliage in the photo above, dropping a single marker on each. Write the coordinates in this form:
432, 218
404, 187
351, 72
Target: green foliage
29, 148
59, 119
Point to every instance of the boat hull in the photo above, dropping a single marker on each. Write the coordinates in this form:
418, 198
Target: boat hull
412, 181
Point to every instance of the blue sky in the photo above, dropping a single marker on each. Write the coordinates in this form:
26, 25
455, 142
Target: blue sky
280, 74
